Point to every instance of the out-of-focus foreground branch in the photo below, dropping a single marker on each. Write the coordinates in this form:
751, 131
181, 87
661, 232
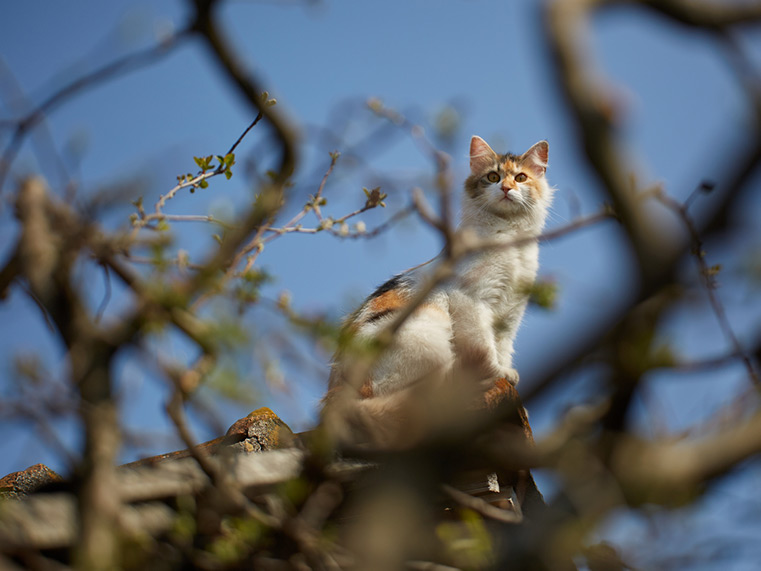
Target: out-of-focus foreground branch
463, 495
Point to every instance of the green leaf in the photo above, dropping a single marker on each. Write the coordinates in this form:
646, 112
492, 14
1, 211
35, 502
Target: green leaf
663, 356
204, 183
713, 270
544, 293
257, 277
374, 197
204, 163
228, 174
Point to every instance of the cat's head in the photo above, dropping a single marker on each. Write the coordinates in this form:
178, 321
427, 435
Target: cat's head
511, 187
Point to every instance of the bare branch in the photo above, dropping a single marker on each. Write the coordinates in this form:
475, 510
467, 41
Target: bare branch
480, 506
123, 65
706, 277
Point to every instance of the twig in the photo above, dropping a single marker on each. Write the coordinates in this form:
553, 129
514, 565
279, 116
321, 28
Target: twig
174, 261
440, 159
481, 506
194, 182
106, 295
595, 110
701, 365
20, 96
123, 65
706, 276
243, 135
224, 483
743, 164
205, 24
313, 204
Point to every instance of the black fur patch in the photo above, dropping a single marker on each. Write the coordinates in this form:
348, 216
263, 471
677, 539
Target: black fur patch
394, 283
376, 316
399, 281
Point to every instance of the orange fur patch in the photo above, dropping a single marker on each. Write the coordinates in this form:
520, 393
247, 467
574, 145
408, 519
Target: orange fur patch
512, 168
387, 301
366, 390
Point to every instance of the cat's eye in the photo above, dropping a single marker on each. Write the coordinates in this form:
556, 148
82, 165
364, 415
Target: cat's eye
520, 177
492, 176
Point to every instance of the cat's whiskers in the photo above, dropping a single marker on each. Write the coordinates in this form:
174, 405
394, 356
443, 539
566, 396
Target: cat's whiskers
556, 216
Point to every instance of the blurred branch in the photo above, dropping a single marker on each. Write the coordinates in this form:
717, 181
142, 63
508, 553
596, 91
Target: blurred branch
143, 220
441, 161
683, 366
595, 110
18, 101
575, 74
21, 526
48, 247
271, 198
481, 506
707, 277
600, 465
109, 71
710, 15
338, 414
666, 472
256, 244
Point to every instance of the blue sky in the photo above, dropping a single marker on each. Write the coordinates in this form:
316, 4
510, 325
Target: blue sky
487, 59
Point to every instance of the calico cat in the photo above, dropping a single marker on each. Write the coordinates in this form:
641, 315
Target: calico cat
467, 325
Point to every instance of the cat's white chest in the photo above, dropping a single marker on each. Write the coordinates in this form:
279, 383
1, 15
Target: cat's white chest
500, 278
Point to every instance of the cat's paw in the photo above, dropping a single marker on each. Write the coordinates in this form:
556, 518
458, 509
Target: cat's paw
511, 376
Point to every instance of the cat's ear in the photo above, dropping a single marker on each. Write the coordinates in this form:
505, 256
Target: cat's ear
536, 158
481, 155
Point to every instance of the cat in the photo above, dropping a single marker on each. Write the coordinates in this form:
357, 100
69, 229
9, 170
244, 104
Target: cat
467, 325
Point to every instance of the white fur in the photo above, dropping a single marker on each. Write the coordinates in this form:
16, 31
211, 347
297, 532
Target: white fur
421, 347
466, 328
471, 321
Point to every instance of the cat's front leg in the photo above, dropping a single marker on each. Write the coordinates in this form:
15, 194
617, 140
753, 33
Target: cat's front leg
504, 346
473, 337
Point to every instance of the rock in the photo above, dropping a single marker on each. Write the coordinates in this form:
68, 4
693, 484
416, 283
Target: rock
262, 430
25, 482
